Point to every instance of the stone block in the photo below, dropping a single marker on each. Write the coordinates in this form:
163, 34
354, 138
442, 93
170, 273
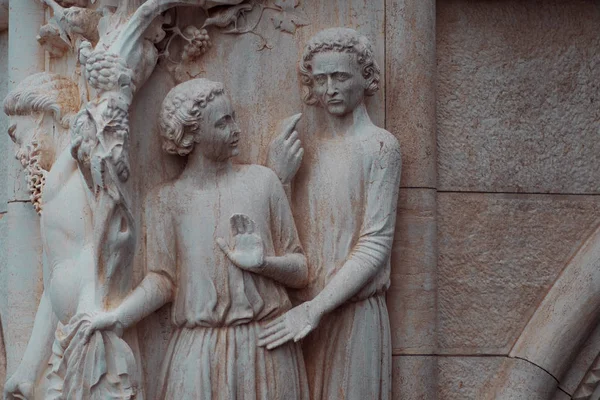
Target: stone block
410, 77
499, 255
412, 294
414, 377
5, 144
517, 94
461, 378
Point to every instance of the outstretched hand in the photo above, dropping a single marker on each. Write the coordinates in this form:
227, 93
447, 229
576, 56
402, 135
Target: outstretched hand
247, 250
293, 325
285, 151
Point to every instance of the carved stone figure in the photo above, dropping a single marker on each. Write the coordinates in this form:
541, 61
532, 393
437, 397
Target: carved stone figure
222, 248
89, 245
344, 202
69, 297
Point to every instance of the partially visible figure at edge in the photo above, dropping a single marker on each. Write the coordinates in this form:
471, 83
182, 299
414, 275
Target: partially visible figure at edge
57, 362
221, 248
344, 203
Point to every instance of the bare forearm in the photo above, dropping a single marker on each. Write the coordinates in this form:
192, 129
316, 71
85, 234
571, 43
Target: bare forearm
290, 270
40, 343
154, 292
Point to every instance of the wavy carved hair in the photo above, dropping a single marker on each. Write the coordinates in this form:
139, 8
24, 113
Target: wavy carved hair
343, 40
44, 92
181, 113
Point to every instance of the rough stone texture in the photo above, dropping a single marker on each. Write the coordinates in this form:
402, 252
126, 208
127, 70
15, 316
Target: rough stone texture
3, 235
415, 378
5, 148
519, 380
412, 295
517, 96
410, 98
25, 284
499, 254
460, 378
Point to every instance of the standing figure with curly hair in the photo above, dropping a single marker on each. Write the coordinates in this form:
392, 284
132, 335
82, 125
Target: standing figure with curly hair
221, 248
344, 203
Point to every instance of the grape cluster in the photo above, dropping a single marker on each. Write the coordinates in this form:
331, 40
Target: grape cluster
198, 42
106, 71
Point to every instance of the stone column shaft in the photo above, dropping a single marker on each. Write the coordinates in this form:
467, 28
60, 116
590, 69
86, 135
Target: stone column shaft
411, 116
22, 275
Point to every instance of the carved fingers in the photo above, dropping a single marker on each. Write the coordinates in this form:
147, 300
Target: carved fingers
19, 386
241, 224
247, 248
102, 322
293, 325
285, 152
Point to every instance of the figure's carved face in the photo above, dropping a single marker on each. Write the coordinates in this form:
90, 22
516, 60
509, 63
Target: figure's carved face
219, 132
338, 82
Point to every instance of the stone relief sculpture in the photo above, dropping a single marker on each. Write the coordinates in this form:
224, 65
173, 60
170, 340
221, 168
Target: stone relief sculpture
344, 200
88, 248
222, 247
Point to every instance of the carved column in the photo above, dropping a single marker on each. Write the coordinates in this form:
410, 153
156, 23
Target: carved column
22, 273
4, 152
410, 115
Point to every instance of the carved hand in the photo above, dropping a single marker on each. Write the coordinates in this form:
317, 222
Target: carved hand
19, 386
247, 251
105, 321
285, 151
293, 325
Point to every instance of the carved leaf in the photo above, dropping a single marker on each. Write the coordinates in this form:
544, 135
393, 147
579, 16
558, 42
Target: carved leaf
290, 17
225, 16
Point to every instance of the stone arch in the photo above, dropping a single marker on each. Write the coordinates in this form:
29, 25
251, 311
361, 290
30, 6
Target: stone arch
554, 336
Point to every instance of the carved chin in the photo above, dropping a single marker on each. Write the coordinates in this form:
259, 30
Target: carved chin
337, 109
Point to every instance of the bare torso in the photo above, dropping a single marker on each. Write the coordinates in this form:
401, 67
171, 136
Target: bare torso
66, 230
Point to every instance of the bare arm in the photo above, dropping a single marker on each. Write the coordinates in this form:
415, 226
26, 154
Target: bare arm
158, 286
152, 293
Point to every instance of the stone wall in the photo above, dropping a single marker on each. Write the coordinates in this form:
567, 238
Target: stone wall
501, 166
518, 167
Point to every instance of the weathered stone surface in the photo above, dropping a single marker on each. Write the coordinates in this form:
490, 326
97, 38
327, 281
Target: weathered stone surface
412, 295
580, 366
410, 98
560, 395
517, 96
517, 380
460, 378
567, 315
499, 254
415, 378
5, 148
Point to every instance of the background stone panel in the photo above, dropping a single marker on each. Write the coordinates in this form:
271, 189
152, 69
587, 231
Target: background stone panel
461, 378
517, 96
499, 254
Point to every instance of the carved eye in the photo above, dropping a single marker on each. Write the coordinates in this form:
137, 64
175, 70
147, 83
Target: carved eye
320, 79
341, 76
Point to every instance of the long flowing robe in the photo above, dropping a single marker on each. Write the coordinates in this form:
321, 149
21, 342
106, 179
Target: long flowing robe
344, 203
218, 309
